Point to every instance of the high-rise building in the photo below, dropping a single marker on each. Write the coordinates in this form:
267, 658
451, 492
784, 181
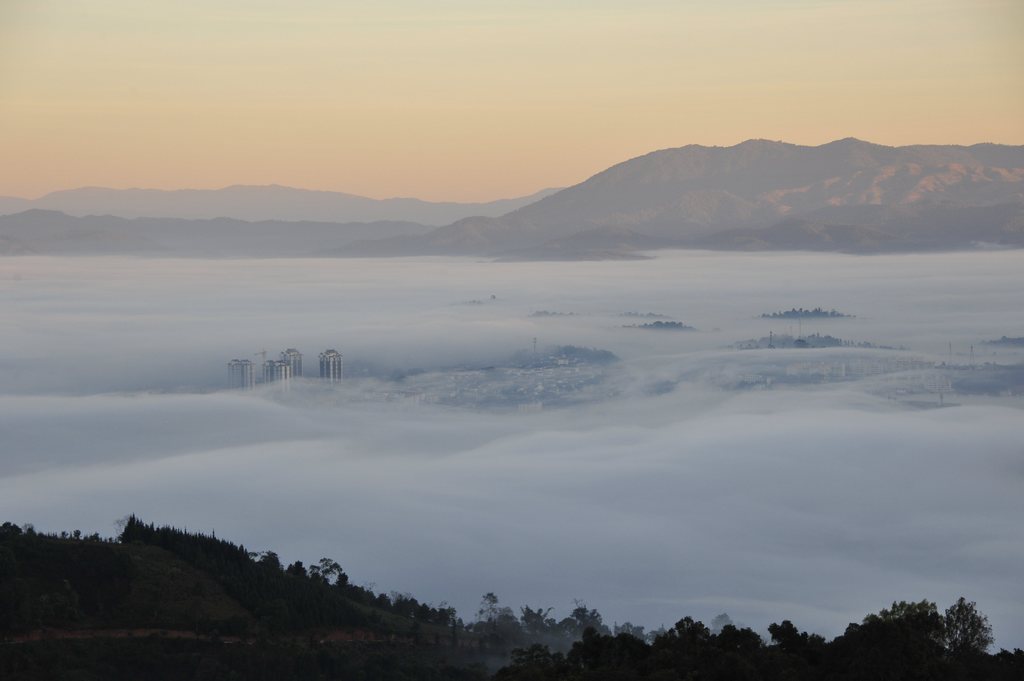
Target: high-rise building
277, 371
331, 365
241, 374
294, 358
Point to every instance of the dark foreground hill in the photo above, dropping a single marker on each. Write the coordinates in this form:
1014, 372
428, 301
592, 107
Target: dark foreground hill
160, 603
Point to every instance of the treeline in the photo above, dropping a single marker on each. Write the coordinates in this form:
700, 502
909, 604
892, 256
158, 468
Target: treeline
281, 600
299, 597
284, 598
66, 580
1005, 340
59, 581
499, 628
801, 313
909, 641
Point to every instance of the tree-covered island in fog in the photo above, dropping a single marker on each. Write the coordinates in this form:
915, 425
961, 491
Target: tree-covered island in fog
1007, 341
812, 340
801, 313
661, 326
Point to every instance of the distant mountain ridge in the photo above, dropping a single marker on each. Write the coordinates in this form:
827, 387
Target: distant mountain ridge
693, 196
258, 203
847, 196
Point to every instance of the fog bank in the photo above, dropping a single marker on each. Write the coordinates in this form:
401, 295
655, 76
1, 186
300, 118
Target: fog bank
817, 503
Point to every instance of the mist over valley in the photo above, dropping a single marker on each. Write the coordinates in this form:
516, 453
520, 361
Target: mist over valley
477, 446
512, 341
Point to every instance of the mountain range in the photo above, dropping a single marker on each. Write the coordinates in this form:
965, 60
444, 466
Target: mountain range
848, 196
258, 203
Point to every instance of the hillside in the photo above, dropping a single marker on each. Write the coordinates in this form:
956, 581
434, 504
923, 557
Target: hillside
882, 229
161, 603
714, 197
846, 196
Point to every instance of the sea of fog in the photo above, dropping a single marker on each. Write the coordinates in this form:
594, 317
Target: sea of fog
817, 504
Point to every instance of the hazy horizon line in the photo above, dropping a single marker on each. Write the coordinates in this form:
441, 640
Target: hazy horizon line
508, 196
277, 185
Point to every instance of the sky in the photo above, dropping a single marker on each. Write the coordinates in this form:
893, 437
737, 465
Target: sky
819, 504
460, 100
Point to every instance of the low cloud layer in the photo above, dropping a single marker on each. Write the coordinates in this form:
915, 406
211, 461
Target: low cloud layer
93, 325
818, 504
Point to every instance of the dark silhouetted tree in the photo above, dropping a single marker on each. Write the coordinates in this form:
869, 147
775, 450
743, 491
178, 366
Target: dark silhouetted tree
967, 630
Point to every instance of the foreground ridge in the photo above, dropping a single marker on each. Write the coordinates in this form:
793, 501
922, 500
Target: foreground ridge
163, 603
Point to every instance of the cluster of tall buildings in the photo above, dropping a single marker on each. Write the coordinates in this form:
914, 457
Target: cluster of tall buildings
242, 372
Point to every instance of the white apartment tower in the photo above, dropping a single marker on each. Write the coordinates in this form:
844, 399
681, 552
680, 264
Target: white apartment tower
331, 365
241, 374
294, 358
277, 371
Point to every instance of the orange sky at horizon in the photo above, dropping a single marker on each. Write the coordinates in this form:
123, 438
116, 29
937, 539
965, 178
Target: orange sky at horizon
478, 100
